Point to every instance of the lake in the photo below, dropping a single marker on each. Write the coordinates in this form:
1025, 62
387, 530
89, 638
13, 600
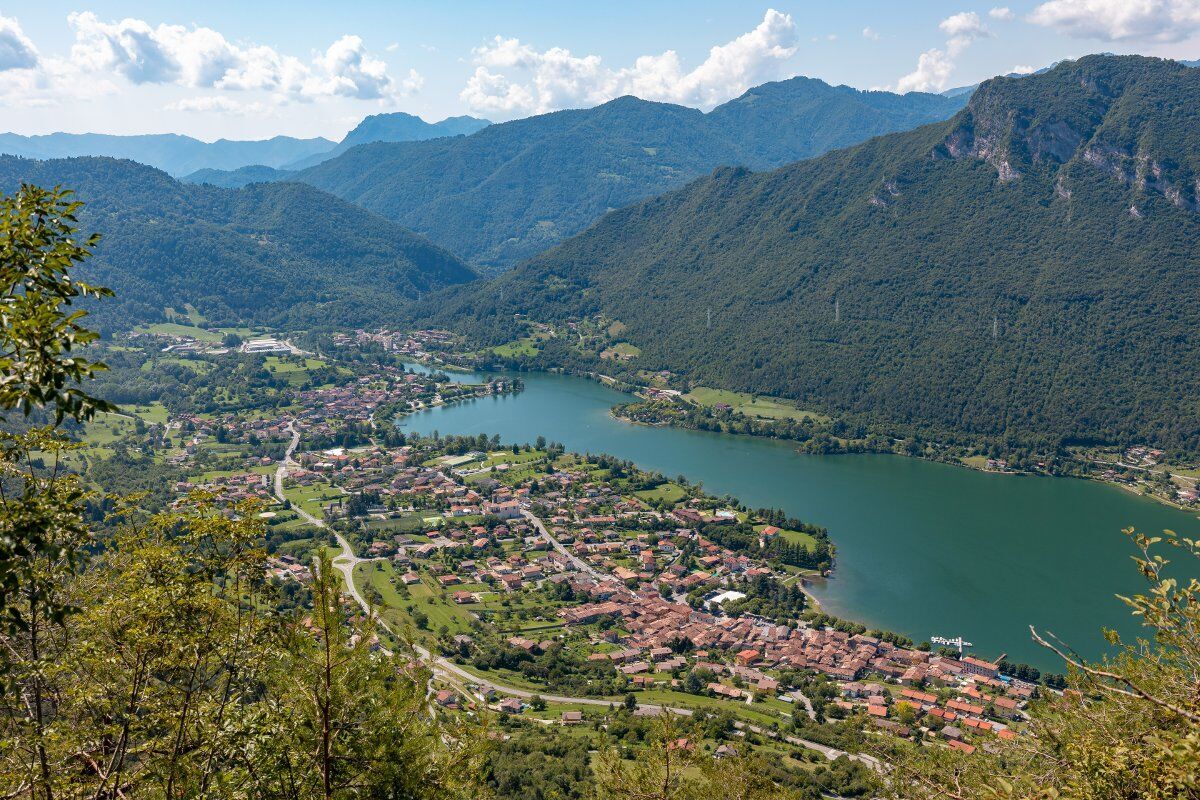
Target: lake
924, 549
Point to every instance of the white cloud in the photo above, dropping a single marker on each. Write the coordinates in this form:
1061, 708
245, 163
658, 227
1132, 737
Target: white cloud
931, 75
1002, 13
935, 66
962, 29
556, 78
16, 51
202, 58
869, 33
1023, 69
1121, 20
217, 103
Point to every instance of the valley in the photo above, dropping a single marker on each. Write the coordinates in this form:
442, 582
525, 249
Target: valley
682, 434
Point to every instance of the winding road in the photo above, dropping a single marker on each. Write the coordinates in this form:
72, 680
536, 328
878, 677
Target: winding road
346, 561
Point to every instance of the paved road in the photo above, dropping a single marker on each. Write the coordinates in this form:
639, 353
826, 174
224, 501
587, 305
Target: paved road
579, 563
346, 561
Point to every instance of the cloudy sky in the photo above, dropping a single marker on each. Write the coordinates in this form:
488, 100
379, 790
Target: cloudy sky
255, 69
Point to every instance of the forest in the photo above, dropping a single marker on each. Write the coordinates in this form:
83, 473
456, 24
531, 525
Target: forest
1024, 269
270, 253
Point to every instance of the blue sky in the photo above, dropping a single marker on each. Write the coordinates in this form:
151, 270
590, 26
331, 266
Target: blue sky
255, 69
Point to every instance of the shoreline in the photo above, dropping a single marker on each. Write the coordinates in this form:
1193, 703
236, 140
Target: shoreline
636, 391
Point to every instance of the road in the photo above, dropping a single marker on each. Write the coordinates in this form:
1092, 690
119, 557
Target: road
579, 563
346, 561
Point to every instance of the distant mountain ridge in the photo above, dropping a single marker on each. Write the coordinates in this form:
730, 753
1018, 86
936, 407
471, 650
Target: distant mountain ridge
1027, 269
514, 189
181, 155
281, 253
395, 127
170, 152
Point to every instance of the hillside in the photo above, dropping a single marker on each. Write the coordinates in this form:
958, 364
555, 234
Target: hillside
1028, 267
515, 189
268, 253
178, 155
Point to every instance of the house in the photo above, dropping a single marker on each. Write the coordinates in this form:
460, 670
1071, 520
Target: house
511, 705
447, 699
977, 666
748, 657
965, 708
572, 717
509, 509
464, 597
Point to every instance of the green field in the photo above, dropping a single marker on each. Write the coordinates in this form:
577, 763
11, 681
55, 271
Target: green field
794, 537
622, 351
752, 405
668, 492
293, 369
423, 597
521, 347
199, 334
313, 498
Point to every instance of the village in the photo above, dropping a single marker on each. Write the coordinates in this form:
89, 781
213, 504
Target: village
635, 589
501, 558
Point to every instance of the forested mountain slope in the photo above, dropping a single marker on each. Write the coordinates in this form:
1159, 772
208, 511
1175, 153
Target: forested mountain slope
173, 153
1030, 267
512, 190
281, 252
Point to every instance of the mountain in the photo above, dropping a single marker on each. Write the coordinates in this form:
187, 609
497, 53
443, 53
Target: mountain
237, 178
273, 253
1028, 268
515, 189
394, 127
178, 155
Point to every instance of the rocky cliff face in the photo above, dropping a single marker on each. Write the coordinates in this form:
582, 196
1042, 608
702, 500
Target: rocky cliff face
1088, 114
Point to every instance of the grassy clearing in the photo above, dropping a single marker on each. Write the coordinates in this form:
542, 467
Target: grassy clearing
424, 597
313, 498
794, 537
522, 347
621, 351
293, 370
756, 714
753, 405
194, 332
667, 493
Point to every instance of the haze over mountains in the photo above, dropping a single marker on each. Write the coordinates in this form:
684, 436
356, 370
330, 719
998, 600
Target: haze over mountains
170, 152
183, 155
273, 253
1029, 267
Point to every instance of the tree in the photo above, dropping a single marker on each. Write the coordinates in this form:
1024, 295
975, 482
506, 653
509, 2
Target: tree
155, 660
671, 767
39, 334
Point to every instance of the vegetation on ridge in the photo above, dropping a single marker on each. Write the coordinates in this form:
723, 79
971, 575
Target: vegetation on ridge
1024, 270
